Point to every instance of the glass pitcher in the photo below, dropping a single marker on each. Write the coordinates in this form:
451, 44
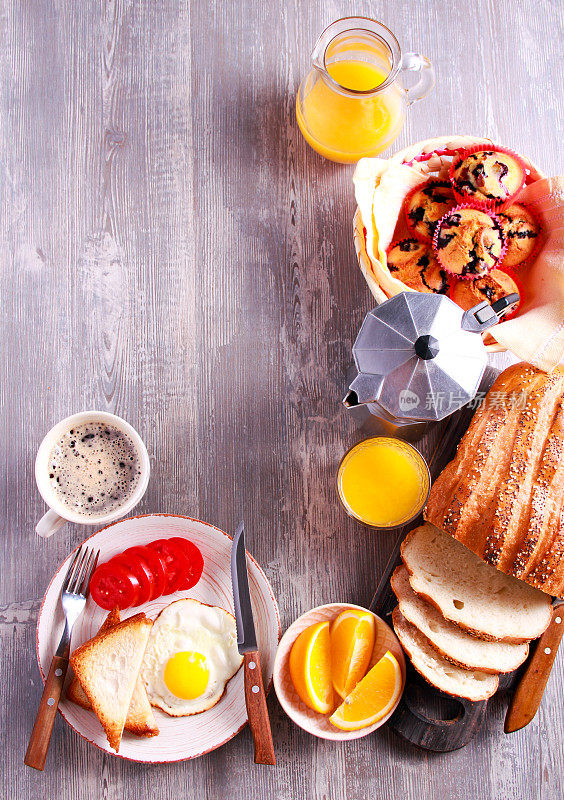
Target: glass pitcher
352, 104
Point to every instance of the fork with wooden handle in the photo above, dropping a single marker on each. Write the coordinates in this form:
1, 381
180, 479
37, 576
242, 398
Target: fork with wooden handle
530, 689
73, 600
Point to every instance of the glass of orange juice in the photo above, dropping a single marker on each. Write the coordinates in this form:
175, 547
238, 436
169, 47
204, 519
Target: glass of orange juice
352, 104
383, 482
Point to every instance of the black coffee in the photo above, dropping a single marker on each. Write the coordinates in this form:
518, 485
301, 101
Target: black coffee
94, 469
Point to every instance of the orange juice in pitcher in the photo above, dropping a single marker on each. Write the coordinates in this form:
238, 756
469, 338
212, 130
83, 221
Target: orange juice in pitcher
351, 104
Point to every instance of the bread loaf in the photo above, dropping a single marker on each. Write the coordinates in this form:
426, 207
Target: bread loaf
503, 494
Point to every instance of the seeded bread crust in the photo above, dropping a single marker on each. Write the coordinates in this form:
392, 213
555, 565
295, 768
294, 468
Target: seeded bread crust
449, 640
471, 594
470, 684
107, 667
503, 494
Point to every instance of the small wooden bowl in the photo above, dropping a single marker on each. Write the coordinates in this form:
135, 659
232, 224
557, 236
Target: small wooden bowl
311, 721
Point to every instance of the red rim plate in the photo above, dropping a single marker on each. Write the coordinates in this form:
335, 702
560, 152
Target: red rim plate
180, 738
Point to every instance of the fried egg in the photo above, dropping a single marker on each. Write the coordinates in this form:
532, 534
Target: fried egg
191, 654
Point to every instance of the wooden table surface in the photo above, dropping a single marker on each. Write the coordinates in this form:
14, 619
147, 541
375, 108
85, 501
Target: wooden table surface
172, 251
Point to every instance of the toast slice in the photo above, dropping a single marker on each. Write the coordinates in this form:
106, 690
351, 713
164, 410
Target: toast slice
440, 673
472, 594
140, 719
107, 667
450, 641
75, 693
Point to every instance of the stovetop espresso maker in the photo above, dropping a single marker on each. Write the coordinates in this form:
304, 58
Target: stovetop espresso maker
419, 357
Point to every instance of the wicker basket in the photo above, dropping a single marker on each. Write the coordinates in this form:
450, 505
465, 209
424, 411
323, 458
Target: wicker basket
429, 157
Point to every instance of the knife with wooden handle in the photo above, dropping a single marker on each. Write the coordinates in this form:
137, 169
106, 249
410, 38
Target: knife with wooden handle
530, 689
255, 697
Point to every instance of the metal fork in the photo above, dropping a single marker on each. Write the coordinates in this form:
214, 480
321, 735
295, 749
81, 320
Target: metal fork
73, 600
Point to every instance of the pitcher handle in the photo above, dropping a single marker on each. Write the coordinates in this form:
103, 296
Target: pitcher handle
415, 62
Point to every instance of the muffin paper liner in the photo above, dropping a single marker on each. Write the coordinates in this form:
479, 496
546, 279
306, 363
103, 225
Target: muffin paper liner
511, 269
407, 200
472, 207
486, 204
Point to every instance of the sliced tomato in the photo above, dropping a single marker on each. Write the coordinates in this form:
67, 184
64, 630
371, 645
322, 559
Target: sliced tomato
176, 563
195, 558
156, 566
113, 585
140, 570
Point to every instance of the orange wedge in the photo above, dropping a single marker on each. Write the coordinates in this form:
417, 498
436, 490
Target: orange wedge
310, 668
352, 642
372, 698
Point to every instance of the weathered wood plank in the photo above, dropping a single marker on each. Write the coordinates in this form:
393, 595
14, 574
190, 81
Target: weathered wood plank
172, 250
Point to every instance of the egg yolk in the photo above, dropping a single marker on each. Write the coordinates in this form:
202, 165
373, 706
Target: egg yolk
186, 675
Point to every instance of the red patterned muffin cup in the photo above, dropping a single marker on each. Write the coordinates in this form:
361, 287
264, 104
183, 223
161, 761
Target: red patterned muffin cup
407, 199
511, 269
485, 204
472, 207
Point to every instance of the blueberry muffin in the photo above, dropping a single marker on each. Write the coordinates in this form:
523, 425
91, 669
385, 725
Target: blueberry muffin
426, 205
493, 286
414, 263
489, 176
521, 230
468, 242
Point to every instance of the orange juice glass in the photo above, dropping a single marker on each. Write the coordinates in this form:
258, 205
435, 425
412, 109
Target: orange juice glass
383, 482
352, 104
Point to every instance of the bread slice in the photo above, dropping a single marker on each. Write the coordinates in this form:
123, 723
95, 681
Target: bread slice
471, 593
470, 684
450, 641
107, 667
140, 719
75, 693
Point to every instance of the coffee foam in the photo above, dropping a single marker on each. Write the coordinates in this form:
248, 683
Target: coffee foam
94, 469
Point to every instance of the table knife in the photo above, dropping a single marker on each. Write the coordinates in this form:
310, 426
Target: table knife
255, 697
528, 695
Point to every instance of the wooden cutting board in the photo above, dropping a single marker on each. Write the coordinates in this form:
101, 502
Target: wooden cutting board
420, 715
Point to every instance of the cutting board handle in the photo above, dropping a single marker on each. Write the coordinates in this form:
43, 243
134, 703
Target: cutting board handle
440, 735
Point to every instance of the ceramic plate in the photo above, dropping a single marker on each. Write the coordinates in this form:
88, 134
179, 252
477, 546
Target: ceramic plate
311, 721
181, 737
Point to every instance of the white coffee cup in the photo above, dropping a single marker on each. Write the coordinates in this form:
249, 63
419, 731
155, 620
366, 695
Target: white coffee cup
58, 513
